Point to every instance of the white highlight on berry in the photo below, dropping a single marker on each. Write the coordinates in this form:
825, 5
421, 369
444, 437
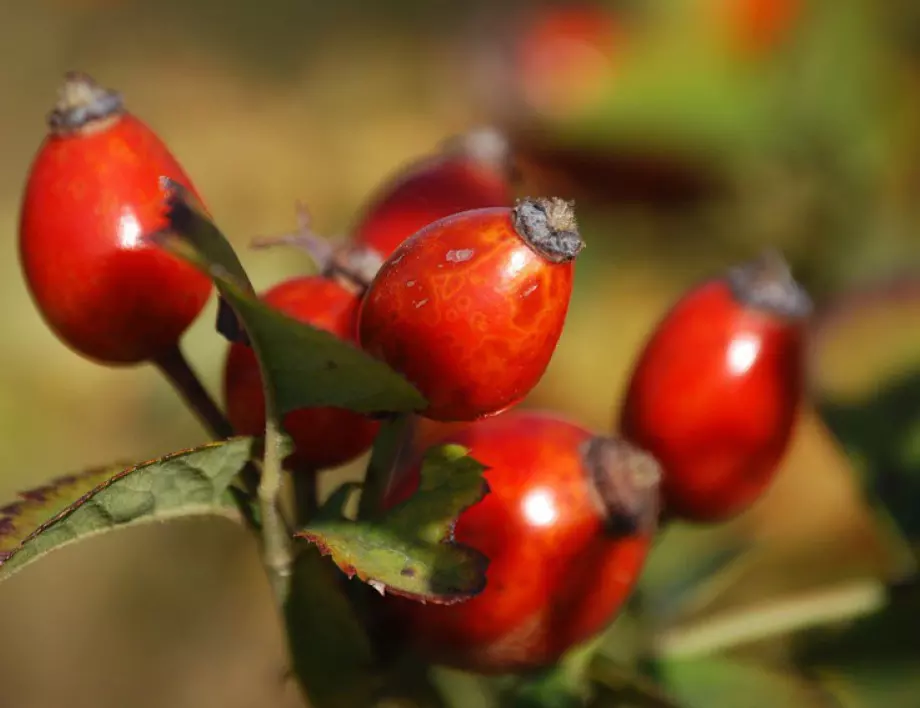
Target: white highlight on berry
540, 507
742, 353
129, 230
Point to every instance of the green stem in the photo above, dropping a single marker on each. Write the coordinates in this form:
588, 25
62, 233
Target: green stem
175, 367
306, 494
845, 602
249, 480
275, 538
391, 441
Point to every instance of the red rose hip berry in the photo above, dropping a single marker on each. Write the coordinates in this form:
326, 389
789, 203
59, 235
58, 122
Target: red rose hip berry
716, 390
566, 527
470, 171
323, 437
92, 193
471, 308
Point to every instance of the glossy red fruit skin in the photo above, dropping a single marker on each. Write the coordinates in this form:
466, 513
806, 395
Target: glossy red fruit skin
89, 199
323, 437
715, 396
426, 191
468, 312
555, 577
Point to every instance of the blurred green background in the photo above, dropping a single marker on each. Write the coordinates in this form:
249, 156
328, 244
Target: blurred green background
695, 142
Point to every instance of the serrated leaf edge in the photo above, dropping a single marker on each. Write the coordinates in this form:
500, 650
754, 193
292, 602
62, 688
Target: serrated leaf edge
351, 571
476, 556
187, 511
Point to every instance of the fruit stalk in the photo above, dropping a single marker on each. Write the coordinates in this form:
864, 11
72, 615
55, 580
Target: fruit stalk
275, 543
392, 441
175, 367
306, 494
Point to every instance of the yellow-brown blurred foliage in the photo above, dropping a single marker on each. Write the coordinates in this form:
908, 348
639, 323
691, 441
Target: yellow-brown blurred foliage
265, 104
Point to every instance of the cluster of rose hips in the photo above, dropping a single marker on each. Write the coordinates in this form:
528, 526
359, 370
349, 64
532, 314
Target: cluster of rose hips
464, 291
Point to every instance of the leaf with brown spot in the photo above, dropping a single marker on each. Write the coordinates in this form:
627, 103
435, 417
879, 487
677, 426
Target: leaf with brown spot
33, 507
70, 509
410, 550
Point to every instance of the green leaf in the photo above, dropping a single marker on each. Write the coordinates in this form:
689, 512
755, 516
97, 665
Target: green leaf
663, 105
882, 438
19, 519
548, 694
866, 359
461, 689
410, 550
390, 445
602, 671
679, 93
876, 686
333, 509
204, 243
727, 683
872, 663
613, 686
687, 570
332, 655
565, 685
188, 483
410, 684
306, 367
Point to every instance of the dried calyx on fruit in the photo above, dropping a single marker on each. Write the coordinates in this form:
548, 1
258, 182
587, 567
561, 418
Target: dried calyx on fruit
766, 283
83, 104
471, 170
483, 145
548, 226
625, 480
